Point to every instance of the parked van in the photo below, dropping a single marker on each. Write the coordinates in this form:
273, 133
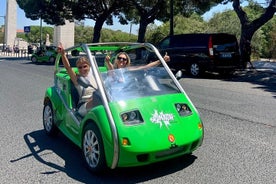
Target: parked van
197, 53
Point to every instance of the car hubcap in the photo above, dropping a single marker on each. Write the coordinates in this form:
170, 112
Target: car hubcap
48, 118
194, 69
91, 148
33, 59
52, 59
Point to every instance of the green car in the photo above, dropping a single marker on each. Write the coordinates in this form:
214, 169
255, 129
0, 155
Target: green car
145, 118
48, 54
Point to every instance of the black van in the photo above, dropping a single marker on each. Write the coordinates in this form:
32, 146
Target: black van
197, 53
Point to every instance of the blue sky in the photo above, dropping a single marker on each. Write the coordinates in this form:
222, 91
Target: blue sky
23, 21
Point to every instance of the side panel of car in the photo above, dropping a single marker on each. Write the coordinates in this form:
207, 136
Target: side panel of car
51, 95
97, 115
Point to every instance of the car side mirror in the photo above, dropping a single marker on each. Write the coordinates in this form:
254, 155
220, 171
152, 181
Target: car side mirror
178, 75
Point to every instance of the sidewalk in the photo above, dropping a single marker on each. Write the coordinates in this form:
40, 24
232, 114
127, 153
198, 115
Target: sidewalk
14, 56
265, 66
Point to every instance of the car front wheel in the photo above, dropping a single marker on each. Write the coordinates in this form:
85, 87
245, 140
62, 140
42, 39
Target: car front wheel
194, 69
92, 148
52, 59
48, 119
34, 59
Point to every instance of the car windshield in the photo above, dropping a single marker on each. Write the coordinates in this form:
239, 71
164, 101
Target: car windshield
131, 83
137, 80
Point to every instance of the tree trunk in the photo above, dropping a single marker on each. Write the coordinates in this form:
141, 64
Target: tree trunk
142, 30
97, 30
245, 45
141, 35
249, 28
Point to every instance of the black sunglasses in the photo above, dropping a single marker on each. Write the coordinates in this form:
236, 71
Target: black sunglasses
121, 58
84, 66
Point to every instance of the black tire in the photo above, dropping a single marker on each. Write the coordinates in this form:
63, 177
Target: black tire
48, 120
52, 60
93, 149
34, 59
194, 69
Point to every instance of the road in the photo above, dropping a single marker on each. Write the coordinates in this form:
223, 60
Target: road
239, 146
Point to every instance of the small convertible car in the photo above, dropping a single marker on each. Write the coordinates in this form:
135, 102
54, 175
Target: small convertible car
45, 55
145, 118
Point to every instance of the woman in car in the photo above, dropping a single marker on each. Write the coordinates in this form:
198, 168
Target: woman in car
122, 60
87, 99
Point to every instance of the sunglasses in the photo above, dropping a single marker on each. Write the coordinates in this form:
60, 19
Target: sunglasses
81, 67
121, 58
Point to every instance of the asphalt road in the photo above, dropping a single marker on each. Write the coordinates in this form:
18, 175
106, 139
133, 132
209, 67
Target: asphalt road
239, 115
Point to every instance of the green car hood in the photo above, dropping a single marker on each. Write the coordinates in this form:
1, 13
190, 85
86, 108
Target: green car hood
160, 121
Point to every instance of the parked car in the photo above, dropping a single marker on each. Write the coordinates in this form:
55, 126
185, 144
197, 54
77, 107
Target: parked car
47, 54
197, 53
145, 118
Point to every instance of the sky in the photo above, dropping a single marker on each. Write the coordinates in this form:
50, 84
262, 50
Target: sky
23, 21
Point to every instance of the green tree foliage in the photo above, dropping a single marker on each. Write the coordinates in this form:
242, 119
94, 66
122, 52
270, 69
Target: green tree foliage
34, 35
225, 22
146, 12
84, 33
182, 25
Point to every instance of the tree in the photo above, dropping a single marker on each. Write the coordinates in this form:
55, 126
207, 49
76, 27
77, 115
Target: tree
146, 12
248, 28
55, 12
98, 10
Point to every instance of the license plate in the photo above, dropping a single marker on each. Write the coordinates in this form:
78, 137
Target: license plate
225, 55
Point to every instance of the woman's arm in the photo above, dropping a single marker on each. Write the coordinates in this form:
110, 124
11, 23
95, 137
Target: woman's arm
152, 64
108, 63
66, 64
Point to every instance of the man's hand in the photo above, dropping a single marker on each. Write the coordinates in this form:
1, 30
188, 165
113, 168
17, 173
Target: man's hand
166, 57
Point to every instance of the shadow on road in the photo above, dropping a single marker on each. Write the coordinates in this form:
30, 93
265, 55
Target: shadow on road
41, 145
265, 80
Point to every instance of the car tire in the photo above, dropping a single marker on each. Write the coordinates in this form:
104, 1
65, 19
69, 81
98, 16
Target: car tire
52, 59
194, 69
34, 59
48, 120
93, 149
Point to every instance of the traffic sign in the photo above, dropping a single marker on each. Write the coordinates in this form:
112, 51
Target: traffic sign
27, 29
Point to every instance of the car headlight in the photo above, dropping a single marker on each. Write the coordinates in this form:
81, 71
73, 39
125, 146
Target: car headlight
183, 109
132, 117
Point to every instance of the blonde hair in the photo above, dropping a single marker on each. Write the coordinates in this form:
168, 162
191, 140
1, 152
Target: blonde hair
116, 59
82, 60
